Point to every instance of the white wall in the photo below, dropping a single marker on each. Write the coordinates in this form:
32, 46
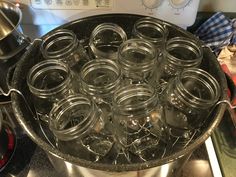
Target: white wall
218, 5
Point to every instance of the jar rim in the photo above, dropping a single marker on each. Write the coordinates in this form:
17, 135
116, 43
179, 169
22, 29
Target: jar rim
40, 68
61, 34
106, 26
126, 93
153, 23
190, 44
206, 78
98, 64
67, 104
133, 66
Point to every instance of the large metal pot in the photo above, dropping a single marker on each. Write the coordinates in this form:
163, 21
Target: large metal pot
12, 41
70, 165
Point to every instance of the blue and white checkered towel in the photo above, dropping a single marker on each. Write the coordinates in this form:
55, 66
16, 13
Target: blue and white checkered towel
218, 31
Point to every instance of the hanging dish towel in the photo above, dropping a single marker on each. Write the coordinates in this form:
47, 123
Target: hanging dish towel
218, 31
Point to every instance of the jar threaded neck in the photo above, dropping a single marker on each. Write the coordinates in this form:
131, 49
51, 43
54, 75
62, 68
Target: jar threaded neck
135, 99
59, 45
137, 55
41, 72
100, 76
72, 117
197, 88
183, 52
151, 29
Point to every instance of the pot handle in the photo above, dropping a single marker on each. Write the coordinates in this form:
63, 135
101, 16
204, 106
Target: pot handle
25, 44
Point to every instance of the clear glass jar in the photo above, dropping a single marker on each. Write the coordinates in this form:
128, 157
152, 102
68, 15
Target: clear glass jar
179, 53
138, 60
78, 125
137, 122
49, 81
100, 78
152, 30
187, 102
105, 40
63, 45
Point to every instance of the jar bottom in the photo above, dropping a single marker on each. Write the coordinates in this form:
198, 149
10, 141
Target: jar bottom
179, 138
98, 144
93, 147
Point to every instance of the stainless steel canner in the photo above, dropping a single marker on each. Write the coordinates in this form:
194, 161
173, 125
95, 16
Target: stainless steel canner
68, 165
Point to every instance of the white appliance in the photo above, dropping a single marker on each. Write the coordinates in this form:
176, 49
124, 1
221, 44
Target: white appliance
48, 14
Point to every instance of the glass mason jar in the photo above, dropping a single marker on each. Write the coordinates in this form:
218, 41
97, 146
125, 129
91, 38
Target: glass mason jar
49, 81
63, 45
100, 78
138, 61
179, 53
187, 102
151, 29
78, 125
105, 40
137, 122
